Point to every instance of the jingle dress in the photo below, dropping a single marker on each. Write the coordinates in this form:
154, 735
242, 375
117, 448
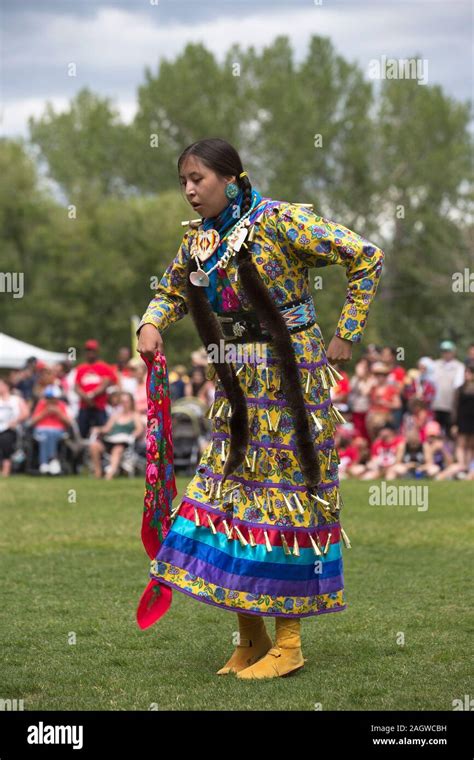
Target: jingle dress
266, 547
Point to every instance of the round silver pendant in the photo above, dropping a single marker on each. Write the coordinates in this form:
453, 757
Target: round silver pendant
199, 278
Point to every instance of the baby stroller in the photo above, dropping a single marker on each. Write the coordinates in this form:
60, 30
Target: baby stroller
191, 431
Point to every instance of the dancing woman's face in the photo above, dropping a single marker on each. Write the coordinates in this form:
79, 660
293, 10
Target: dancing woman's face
203, 187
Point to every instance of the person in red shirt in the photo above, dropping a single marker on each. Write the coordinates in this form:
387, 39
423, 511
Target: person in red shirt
384, 398
418, 385
417, 416
348, 453
383, 453
362, 444
396, 373
51, 422
92, 379
359, 397
396, 376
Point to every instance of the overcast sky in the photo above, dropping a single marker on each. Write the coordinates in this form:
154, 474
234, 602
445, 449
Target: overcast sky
111, 41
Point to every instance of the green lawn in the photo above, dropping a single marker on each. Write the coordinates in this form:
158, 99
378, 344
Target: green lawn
80, 567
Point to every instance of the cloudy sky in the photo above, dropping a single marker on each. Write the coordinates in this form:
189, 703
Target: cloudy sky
111, 42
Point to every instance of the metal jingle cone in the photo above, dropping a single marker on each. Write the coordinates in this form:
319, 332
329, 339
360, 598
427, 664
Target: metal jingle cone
199, 278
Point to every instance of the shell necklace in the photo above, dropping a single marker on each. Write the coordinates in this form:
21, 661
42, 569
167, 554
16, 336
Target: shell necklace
209, 240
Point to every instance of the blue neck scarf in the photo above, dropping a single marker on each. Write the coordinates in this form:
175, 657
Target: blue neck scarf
223, 222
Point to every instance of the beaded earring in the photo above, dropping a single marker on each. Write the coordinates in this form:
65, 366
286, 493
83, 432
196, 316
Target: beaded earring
231, 191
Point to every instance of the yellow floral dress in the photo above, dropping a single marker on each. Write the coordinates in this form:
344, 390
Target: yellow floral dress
264, 546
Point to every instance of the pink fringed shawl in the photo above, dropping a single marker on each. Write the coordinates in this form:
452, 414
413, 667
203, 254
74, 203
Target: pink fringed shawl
160, 486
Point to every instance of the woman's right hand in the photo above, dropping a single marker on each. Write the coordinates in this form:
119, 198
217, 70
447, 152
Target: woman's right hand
149, 342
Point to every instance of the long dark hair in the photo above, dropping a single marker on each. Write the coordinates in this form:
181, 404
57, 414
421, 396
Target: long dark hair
223, 159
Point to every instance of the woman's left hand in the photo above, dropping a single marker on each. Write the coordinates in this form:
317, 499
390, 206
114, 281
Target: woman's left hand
339, 350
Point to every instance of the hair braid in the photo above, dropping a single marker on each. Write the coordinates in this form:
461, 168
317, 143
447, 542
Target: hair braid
247, 199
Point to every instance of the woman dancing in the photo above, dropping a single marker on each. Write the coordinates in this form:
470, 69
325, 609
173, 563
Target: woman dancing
258, 530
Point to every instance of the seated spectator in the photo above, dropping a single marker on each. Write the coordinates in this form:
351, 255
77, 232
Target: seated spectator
359, 396
13, 411
121, 430
417, 416
357, 469
348, 453
50, 422
440, 463
383, 454
410, 458
384, 399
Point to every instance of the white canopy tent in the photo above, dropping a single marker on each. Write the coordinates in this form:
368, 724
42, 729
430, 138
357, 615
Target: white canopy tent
14, 353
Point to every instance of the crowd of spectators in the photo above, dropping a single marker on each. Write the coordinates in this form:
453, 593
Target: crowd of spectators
98, 407
415, 423
399, 423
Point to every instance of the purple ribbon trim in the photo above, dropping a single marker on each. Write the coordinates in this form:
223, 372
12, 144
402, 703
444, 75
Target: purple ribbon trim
245, 583
277, 402
266, 483
327, 444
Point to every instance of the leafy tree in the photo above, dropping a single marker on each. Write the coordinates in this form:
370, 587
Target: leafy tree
394, 166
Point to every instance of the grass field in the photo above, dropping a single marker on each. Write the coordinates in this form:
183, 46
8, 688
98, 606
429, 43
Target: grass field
79, 566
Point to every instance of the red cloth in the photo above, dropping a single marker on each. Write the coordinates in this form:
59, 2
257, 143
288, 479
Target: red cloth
90, 376
160, 486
